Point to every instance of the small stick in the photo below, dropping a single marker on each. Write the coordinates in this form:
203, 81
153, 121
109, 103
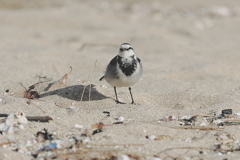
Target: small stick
90, 85
3, 115
83, 92
5, 143
33, 118
200, 148
23, 86
29, 102
39, 108
39, 118
203, 116
196, 127
87, 81
58, 105
229, 123
116, 124
16, 93
232, 120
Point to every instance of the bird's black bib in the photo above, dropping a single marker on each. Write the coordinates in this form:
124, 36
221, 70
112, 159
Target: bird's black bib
128, 68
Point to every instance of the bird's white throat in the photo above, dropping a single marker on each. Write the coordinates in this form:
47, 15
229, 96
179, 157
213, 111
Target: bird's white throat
126, 54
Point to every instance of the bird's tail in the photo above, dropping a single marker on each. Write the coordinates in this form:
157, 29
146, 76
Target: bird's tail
101, 78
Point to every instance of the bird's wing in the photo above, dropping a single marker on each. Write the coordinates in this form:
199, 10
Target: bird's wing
139, 60
114, 61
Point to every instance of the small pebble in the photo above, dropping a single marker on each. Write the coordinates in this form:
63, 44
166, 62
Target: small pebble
155, 158
20, 126
6, 92
28, 143
169, 118
185, 117
0, 99
58, 143
152, 137
72, 110
203, 124
217, 113
103, 86
120, 119
21, 117
86, 140
123, 157
188, 140
222, 11
78, 126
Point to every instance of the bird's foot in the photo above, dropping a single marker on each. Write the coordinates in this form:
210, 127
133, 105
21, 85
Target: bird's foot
118, 102
133, 103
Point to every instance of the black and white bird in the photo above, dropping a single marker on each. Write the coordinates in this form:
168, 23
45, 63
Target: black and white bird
124, 70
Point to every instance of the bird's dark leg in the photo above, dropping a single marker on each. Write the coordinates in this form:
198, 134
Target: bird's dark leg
131, 95
116, 96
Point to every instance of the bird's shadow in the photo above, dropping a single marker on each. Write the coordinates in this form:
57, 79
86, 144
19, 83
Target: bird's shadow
75, 93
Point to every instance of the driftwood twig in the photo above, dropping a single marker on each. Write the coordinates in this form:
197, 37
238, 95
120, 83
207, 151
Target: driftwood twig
39, 118
32, 118
5, 143
196, 127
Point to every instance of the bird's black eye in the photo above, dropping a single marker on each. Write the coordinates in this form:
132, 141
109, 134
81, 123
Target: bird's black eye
130, 48
121, 49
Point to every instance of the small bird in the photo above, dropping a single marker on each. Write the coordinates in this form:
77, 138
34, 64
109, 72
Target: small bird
124, 70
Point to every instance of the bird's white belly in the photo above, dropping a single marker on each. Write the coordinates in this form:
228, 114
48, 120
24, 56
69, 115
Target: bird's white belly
122, 80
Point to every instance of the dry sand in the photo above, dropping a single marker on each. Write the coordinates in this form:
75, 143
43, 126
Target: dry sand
190, 53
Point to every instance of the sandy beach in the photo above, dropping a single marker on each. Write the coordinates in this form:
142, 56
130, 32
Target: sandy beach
190, 54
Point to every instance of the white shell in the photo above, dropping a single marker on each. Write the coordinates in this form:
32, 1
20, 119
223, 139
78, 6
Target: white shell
20, 126
10, 120
21, 117
123, 157
120, 119
155, 158
152, 137
78, 126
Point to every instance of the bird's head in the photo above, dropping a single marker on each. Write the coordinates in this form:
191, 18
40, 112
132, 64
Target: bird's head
126, 50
